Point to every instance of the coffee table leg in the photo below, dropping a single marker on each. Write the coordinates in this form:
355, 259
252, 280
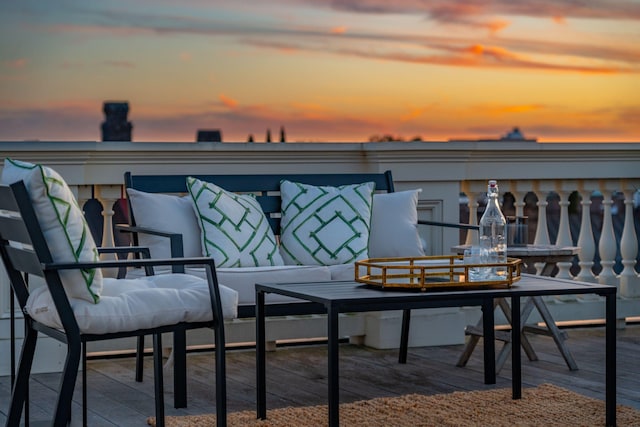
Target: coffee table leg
334, 379
516, 362
488, 332
611, 360
261, 381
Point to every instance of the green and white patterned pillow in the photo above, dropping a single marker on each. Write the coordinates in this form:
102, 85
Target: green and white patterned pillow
63, 225
325, 225
234, 229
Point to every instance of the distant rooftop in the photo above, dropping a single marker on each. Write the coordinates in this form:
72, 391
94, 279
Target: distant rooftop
514, 135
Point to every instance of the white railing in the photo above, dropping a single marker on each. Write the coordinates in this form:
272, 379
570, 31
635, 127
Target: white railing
606, 175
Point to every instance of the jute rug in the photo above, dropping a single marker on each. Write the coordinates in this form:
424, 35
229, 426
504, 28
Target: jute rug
545, 405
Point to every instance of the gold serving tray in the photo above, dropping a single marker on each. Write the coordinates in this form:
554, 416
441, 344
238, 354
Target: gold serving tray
430, 272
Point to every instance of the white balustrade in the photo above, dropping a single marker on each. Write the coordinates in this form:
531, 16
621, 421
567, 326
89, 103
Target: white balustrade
519, 167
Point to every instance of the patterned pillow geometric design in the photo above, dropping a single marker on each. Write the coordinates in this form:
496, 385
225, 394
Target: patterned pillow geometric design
234, 229
63, 225
324, 225
394, 225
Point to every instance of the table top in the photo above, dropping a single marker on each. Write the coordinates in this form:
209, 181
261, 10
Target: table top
532, 250
360, 297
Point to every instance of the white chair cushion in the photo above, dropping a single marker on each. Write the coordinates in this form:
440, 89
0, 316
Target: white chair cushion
132, 304
243, 279
394, 225
325, 225
234, 229
63, 225
168, 213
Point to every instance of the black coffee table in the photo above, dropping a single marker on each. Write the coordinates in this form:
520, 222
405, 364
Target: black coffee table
349, 297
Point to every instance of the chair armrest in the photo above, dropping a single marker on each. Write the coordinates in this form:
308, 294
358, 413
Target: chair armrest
128, 263
449, 224
175, 239
122, 271
142, 250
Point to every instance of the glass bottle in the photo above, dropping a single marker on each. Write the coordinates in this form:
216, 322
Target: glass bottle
493, 234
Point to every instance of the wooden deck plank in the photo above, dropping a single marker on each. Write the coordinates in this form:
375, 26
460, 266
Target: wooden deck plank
296, 376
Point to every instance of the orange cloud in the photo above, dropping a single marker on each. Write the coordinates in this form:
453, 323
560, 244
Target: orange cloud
559, 20
339, 30
228, 102
413, 114
490, 51
185, 56
518, 108
497, 25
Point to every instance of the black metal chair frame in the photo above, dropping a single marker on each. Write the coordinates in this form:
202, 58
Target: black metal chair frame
24, 252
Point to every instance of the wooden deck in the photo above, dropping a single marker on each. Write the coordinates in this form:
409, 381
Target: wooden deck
297, 377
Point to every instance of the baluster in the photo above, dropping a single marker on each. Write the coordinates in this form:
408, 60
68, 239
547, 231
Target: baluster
541, 190
607, 244
564, 189
586, 242
108, 195
629, 279
519, 190
472, 237
83, 194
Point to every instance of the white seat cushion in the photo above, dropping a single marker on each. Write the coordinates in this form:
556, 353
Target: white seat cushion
343, 271
243, 279
132, 304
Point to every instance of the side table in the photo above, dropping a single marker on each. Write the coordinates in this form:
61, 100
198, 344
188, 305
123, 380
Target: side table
550, 255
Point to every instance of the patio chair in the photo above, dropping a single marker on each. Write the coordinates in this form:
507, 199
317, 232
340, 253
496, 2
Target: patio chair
25, 251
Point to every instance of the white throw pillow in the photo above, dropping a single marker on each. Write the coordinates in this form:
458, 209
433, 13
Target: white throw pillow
63, 225
325, 225
168, 213
234, 229
394, 225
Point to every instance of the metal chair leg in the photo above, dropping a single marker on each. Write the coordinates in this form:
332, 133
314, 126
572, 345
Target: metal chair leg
404, 336
221, 376
140, 358
84, 385
20, 386
67, 384
158, 379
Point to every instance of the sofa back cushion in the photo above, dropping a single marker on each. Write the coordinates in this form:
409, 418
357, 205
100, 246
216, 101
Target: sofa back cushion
233, 228
394, 225
167, 213
323, 225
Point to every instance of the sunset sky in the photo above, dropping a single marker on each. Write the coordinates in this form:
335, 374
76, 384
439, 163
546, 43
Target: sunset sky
341, 70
